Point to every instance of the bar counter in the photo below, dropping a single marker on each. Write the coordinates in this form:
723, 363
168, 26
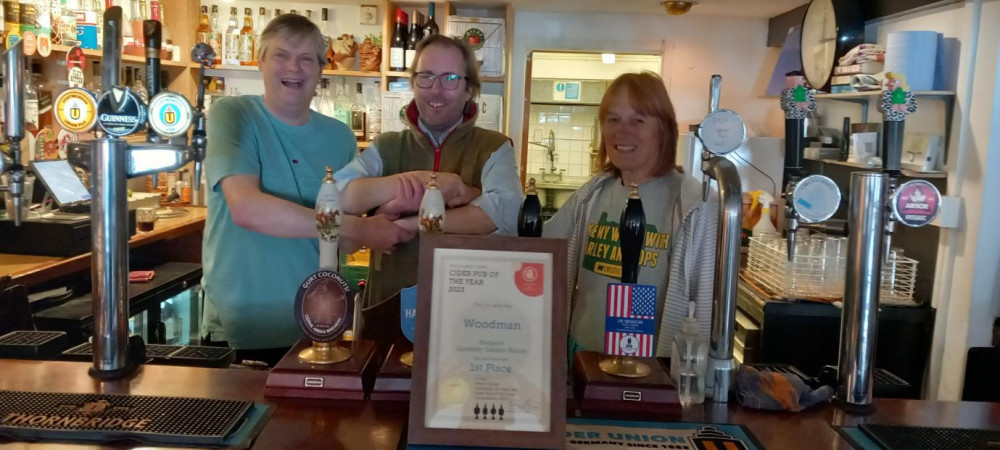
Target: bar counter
307, 424
32, 270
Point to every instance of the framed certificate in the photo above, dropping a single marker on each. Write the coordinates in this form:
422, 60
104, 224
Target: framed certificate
490, 365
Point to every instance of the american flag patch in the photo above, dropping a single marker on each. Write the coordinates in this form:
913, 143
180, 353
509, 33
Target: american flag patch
630, 323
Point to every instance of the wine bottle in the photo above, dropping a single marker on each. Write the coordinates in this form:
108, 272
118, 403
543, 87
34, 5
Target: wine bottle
529, 219
397, 48
430, 26
632, 232
412, 39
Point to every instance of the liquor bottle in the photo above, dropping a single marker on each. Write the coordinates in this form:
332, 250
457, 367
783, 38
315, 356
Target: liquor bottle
632, 234
326, 106
358, 113
317, 97
412, 39
27, 17
11, 23
325, 27
231, 52
342, 111
157, 13
30, 106
262, 22
247, 57
430, 26
529, 219
374, 115
135, 22
217, 35
397, 48
431, 218
203, 34
293, 12
309, 15
277, 12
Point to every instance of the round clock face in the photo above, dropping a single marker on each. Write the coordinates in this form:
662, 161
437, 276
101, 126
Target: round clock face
722, 131
819, 42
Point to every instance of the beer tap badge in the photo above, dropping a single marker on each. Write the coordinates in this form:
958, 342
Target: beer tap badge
323, 306
121, 112
916, 203
76, 61
170, 114
76, 110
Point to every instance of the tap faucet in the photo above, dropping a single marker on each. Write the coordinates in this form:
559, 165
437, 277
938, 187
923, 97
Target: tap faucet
550, 149
722, 132
112, 161
14, 127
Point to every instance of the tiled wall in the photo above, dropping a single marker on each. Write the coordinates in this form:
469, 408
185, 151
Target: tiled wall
572, 125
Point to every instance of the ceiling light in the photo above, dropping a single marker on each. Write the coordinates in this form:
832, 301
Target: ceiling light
608, 58
675, 8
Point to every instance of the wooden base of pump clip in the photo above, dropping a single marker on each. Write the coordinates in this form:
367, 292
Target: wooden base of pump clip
345, 380
393, 382
597, 391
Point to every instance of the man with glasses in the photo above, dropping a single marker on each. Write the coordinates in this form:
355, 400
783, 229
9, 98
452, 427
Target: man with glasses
477, 174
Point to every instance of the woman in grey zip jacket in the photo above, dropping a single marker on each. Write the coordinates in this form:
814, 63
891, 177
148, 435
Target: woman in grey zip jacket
639, 141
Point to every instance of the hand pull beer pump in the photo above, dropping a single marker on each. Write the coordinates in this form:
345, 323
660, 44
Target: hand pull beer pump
721, 132
112, 161
13, 129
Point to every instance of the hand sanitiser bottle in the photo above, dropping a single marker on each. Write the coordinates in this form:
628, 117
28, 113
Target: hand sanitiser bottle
688, 361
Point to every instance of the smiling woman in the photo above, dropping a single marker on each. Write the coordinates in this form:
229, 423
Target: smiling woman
639, 144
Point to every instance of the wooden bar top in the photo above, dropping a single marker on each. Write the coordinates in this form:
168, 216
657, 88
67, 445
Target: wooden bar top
328, 424
31, 270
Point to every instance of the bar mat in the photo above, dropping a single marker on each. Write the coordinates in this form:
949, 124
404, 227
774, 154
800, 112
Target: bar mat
32, 344
190, 355
44, 416
599, 434
917, 438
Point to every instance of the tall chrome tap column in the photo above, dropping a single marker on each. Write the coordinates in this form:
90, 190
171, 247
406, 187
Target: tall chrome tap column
13, 109
722, 132
859, 318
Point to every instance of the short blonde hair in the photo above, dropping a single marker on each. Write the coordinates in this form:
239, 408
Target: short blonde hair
293, 27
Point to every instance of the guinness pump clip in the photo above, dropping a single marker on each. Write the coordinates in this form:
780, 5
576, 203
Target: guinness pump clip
112, 161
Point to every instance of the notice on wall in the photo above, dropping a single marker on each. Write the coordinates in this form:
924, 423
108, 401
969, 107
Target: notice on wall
566, 91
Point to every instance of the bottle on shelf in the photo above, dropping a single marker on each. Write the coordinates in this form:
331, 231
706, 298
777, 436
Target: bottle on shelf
30, 107
293, 12
318, 96
277, 12
325, 28
413, 38
374, 116
262, 22
231, 52
158, 12
203, 34
217, 35
357, 122
342, 110
430, 26
397, 47
247, 56
309, 15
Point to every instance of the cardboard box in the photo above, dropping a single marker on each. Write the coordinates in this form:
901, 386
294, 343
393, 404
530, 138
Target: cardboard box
486, 36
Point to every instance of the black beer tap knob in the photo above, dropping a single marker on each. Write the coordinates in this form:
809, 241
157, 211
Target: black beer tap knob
632, 234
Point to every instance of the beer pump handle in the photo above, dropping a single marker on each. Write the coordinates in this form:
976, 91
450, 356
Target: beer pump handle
714, 92
632, 234
203, 54
14, 125
152, 32
111, 62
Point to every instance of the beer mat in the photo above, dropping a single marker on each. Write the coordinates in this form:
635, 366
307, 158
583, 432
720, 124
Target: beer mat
899, 437
600, 434
29, 338
103, 418
190, 354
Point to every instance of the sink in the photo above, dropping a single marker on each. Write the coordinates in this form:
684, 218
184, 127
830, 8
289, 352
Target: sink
551, 177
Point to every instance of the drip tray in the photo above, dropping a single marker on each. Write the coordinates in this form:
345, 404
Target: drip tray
32, 344
104, 418
893, 437
177, 355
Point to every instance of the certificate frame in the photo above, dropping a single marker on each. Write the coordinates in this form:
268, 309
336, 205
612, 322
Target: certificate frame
554, 437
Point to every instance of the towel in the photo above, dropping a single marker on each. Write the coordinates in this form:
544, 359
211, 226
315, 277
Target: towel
863, 53
777, 391
141, 276
867, 82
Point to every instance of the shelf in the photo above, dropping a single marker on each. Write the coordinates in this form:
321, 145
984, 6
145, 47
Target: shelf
906, 173
130, 59
493, 79
866, 94
398, 74
334, 73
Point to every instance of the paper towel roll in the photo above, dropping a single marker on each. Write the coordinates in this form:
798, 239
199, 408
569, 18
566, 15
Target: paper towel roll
913, 53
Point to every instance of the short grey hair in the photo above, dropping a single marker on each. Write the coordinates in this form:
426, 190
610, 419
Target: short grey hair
295, 28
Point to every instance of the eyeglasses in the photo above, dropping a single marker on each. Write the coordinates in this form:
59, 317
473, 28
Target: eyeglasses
449, 81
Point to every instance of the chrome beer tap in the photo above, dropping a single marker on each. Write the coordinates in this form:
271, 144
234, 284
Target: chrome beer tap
876, 205
13, 60
722, 132
112, 161
808, 199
